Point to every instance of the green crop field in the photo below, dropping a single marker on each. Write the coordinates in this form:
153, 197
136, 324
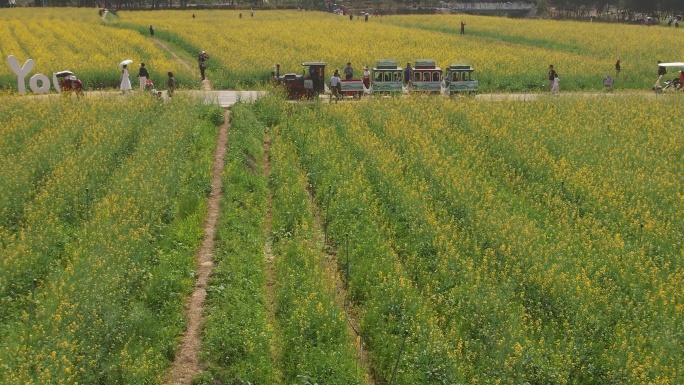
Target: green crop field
406, 240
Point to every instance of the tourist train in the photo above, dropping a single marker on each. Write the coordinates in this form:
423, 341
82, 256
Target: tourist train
387, 77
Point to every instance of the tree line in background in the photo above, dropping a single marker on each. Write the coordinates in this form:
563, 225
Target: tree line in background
617, 10
608, 10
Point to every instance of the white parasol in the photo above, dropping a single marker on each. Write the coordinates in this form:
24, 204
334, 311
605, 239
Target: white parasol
676, 64
125, 62
62, 74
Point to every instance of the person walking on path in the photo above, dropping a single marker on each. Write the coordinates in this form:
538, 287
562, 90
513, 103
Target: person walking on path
608, 83
555, 85
125, 80
348, 71
617, 67
463, 24
552, 76
151, 30
171, 84
143, 75
202, 60
335, 85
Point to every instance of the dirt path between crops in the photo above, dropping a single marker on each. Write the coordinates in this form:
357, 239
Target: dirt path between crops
336, 277
206, 84
186, 364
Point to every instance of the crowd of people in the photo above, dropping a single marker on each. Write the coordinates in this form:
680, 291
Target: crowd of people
144, 76
146, 84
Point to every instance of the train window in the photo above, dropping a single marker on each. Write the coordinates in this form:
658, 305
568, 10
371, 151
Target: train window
397, 76
378, 76
435, 76
388, 76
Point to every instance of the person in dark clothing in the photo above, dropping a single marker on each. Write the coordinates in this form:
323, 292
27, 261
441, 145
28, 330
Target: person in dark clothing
617, 67
171, 84
407, 73
143, 75
463, 24
151, 30
202, 60
661, 70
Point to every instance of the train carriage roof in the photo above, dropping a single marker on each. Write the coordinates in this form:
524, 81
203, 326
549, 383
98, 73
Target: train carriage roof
460, 67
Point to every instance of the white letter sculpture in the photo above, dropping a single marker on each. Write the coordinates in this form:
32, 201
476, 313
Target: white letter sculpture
22, 71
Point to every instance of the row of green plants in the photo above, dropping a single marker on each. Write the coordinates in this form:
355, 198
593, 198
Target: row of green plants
57, 171
316, 343
530, 274
304, 339
399, 326
107, 308
237, 336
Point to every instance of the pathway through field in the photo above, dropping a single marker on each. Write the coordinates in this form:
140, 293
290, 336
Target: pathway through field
186, 364
206, 84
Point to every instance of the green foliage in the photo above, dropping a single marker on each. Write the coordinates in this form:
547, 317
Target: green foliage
237, 337
107, 301
315, 342
499, 237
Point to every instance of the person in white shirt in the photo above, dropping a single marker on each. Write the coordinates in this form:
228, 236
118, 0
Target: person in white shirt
556, 84
366, 77
336, 84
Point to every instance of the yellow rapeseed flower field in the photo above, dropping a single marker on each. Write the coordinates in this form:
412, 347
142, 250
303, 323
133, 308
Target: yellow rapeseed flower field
544, 235
78, 40
508, 54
